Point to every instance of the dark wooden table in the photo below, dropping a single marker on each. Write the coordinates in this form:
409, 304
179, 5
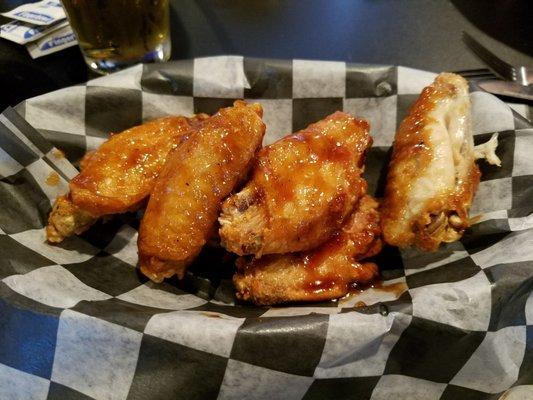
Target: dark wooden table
418, 33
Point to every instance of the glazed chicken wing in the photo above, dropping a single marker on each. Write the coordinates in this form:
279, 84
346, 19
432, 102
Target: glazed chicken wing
118, 176
324, 273
302, 189
184, 205
432, 174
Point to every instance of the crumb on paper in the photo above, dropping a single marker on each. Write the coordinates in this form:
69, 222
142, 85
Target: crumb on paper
487, 151
475, 219
211, 315
58, 154
53, 179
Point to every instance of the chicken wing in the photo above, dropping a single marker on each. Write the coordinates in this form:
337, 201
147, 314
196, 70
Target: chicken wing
432, 175
324, 273
302, 189
184, 205
118, 176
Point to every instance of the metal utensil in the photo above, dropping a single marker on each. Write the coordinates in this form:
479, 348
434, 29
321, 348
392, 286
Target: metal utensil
522, 75
480, 73
504, 88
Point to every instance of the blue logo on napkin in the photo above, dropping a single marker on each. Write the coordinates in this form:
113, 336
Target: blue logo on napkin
9, 27
58, 41
35, 16
52, 4
33, 31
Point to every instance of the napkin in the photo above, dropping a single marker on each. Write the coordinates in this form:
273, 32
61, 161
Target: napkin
41, 26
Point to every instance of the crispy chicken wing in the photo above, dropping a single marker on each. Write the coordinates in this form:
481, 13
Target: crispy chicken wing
184, 205
432, 174
118, 176
324, 273
66, 219
302, 189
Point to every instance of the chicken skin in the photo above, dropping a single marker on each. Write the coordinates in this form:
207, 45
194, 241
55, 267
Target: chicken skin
324, 273
182, 211
432, 175
302, 189
118, 176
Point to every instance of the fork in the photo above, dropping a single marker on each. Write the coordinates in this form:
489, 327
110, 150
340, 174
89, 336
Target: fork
519, 74
471, 74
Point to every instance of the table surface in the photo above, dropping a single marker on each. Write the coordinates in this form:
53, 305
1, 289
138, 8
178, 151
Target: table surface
422, 34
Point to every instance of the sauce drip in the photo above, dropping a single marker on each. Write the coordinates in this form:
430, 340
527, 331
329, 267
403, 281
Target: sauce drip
322, 284
317, 282
397, 288
313, 259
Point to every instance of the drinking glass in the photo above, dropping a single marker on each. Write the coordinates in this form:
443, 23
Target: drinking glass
114, 34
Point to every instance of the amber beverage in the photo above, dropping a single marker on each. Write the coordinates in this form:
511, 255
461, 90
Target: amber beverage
115, 34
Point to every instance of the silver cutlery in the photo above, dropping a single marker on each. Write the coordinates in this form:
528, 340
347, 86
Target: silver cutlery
516, 78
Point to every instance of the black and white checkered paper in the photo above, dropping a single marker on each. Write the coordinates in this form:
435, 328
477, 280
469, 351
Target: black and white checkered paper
78, 321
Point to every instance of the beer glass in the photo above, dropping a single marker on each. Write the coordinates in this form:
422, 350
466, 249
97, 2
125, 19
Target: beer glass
114, 34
